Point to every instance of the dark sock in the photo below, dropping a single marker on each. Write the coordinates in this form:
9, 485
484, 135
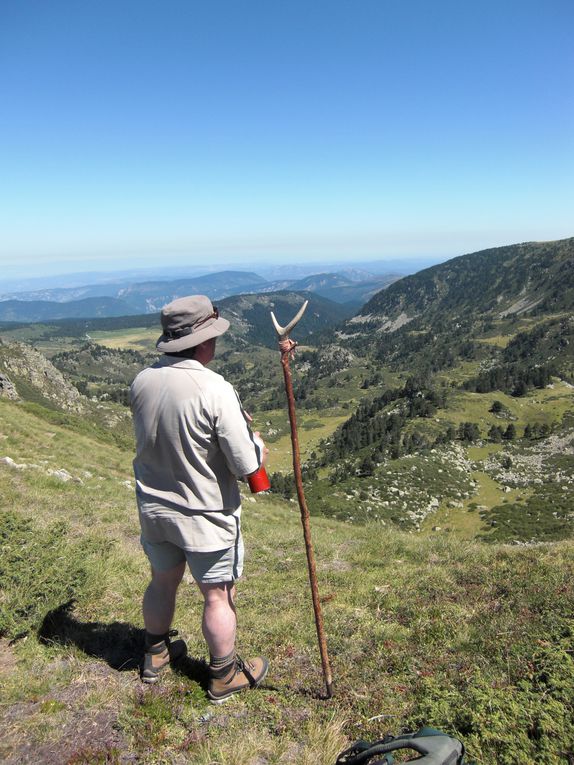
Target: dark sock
219, 665
152, 640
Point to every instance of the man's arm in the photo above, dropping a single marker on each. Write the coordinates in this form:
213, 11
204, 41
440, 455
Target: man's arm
243, 455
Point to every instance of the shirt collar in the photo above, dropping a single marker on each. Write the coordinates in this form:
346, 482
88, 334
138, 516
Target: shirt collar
178, 362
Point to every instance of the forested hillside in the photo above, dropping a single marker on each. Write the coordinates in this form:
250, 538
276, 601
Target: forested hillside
481, 347
42, 310
504, 281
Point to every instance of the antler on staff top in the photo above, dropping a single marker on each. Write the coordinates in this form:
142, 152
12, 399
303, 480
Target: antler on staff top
283, 332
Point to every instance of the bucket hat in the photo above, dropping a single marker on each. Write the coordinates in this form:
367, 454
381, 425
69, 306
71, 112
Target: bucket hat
189, 321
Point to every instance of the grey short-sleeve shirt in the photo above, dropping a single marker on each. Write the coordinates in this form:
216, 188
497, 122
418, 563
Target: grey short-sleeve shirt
192, 442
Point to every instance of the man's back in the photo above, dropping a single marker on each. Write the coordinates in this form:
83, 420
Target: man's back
192, 437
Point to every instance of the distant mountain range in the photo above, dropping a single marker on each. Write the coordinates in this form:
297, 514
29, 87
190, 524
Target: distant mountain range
503, 281
144, 297
292, 271
352, 287
248, 314
45, 310
339, 287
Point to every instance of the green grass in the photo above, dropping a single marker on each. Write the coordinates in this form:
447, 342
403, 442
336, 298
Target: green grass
548, 406
280, 457
474, 639
464, 520
544, 514
137, 338
41, 569
499, 341
57, 425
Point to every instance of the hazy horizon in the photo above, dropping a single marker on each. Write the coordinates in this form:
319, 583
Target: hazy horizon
270, 271
218, 259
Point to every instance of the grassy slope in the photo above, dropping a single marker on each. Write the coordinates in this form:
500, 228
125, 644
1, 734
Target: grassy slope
471, 638
310, 431
138, 339
345, 388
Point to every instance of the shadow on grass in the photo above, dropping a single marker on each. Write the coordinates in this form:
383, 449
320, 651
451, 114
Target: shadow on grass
119, 644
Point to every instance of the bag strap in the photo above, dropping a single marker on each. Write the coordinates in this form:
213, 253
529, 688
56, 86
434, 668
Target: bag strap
362, 752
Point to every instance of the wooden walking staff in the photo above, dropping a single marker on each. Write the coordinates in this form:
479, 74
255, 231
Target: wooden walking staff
287, 347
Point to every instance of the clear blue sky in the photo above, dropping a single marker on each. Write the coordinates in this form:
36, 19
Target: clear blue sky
135, 132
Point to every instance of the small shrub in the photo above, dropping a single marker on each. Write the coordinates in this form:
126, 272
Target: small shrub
39, 570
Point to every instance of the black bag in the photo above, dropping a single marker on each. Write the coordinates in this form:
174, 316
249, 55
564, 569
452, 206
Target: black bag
435, 748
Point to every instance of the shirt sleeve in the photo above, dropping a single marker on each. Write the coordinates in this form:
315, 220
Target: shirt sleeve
236, 440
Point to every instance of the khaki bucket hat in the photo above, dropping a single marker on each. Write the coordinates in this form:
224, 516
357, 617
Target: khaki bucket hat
189, 321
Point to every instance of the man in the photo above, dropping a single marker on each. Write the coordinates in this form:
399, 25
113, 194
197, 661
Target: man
192, 442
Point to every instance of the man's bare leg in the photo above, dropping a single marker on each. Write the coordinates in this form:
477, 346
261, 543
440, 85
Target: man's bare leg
159, 599
158, 609
219, 619
227, 673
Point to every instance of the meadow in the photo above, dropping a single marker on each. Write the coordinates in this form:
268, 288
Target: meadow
137, 339
474, 639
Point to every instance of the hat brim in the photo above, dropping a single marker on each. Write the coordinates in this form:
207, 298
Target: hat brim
206, 332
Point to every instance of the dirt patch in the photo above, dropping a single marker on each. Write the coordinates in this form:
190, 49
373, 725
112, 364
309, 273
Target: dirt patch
65, 727
83, 738
8, 659
337, 564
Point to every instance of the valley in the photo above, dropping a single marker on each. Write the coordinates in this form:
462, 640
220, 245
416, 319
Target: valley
439, 471
426, 388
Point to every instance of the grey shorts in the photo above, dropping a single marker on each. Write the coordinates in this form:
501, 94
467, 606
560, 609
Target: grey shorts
206, 567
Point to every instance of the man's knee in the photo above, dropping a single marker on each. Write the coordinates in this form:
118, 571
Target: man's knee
219, 592
167, 580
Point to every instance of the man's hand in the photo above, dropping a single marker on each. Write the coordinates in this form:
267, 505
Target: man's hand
261, 445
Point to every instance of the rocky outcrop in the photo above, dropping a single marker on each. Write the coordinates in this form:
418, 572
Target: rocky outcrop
532, 465
334, 358
7, 388
23, 368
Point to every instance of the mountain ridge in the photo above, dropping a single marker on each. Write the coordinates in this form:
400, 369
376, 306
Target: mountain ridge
132, 298
150, 297
489, 281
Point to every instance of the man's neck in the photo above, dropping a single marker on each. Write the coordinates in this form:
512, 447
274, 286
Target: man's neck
188, 354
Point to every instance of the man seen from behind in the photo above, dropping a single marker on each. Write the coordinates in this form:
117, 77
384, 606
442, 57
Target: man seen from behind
193, 441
